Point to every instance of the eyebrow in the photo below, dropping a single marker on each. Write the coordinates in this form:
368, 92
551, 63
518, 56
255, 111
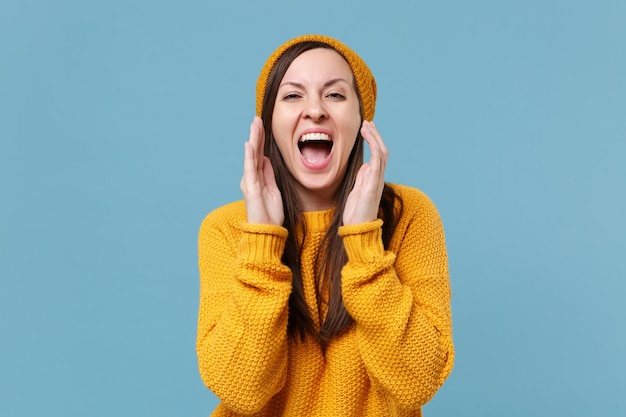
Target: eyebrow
326, 84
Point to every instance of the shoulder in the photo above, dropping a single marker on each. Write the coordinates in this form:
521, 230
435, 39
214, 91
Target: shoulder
419, 220
413, 200
228, 216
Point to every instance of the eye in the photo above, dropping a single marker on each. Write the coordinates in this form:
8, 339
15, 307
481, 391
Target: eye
291, 96
336, 96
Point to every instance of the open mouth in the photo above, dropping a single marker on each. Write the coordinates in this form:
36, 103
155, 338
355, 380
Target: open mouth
315, 147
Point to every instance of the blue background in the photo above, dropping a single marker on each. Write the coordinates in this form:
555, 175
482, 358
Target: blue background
122, 124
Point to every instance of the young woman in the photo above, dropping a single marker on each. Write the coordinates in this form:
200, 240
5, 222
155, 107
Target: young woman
325, 291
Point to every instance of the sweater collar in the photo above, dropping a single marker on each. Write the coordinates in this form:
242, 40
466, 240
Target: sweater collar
318, 220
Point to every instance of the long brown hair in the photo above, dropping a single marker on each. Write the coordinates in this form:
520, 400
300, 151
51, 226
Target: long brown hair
331, 256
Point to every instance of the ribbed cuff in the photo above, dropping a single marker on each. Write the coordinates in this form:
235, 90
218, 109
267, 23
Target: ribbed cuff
363, 242
262, 243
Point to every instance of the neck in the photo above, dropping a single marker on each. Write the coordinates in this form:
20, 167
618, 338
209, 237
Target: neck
316, 200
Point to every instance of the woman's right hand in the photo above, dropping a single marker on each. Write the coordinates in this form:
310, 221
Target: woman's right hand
264, 204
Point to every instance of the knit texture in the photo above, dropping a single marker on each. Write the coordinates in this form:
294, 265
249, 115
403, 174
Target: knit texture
390, 362
365, 81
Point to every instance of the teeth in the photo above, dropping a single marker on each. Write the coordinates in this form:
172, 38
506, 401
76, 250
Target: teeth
314, 136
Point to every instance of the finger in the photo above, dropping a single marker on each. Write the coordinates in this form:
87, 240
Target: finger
378, 150
260, 142
261, 134
263, 161
384, 152
360, 176
375, 153
378, 137
253, 159
252, 142
383, 148
255, 140
249, 168
268, 174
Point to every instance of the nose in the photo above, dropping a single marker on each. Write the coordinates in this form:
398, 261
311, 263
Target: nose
315, 109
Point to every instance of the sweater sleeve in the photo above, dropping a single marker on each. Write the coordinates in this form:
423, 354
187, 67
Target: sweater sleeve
401, 305
242, 321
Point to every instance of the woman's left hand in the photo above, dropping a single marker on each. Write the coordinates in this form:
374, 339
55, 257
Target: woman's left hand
364, 199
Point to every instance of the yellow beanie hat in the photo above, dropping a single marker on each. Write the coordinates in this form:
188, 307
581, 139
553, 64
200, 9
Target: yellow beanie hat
365, 81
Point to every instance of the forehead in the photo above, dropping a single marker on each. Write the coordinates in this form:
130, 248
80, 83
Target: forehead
318, 64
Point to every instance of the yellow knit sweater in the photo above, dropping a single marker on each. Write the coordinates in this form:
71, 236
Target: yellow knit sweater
391, 360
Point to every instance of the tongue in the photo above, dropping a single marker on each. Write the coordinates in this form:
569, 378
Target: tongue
315, 153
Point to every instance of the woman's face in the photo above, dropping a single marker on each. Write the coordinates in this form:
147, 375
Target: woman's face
315, 123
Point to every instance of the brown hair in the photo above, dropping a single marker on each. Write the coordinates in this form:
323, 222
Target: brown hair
331, 256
